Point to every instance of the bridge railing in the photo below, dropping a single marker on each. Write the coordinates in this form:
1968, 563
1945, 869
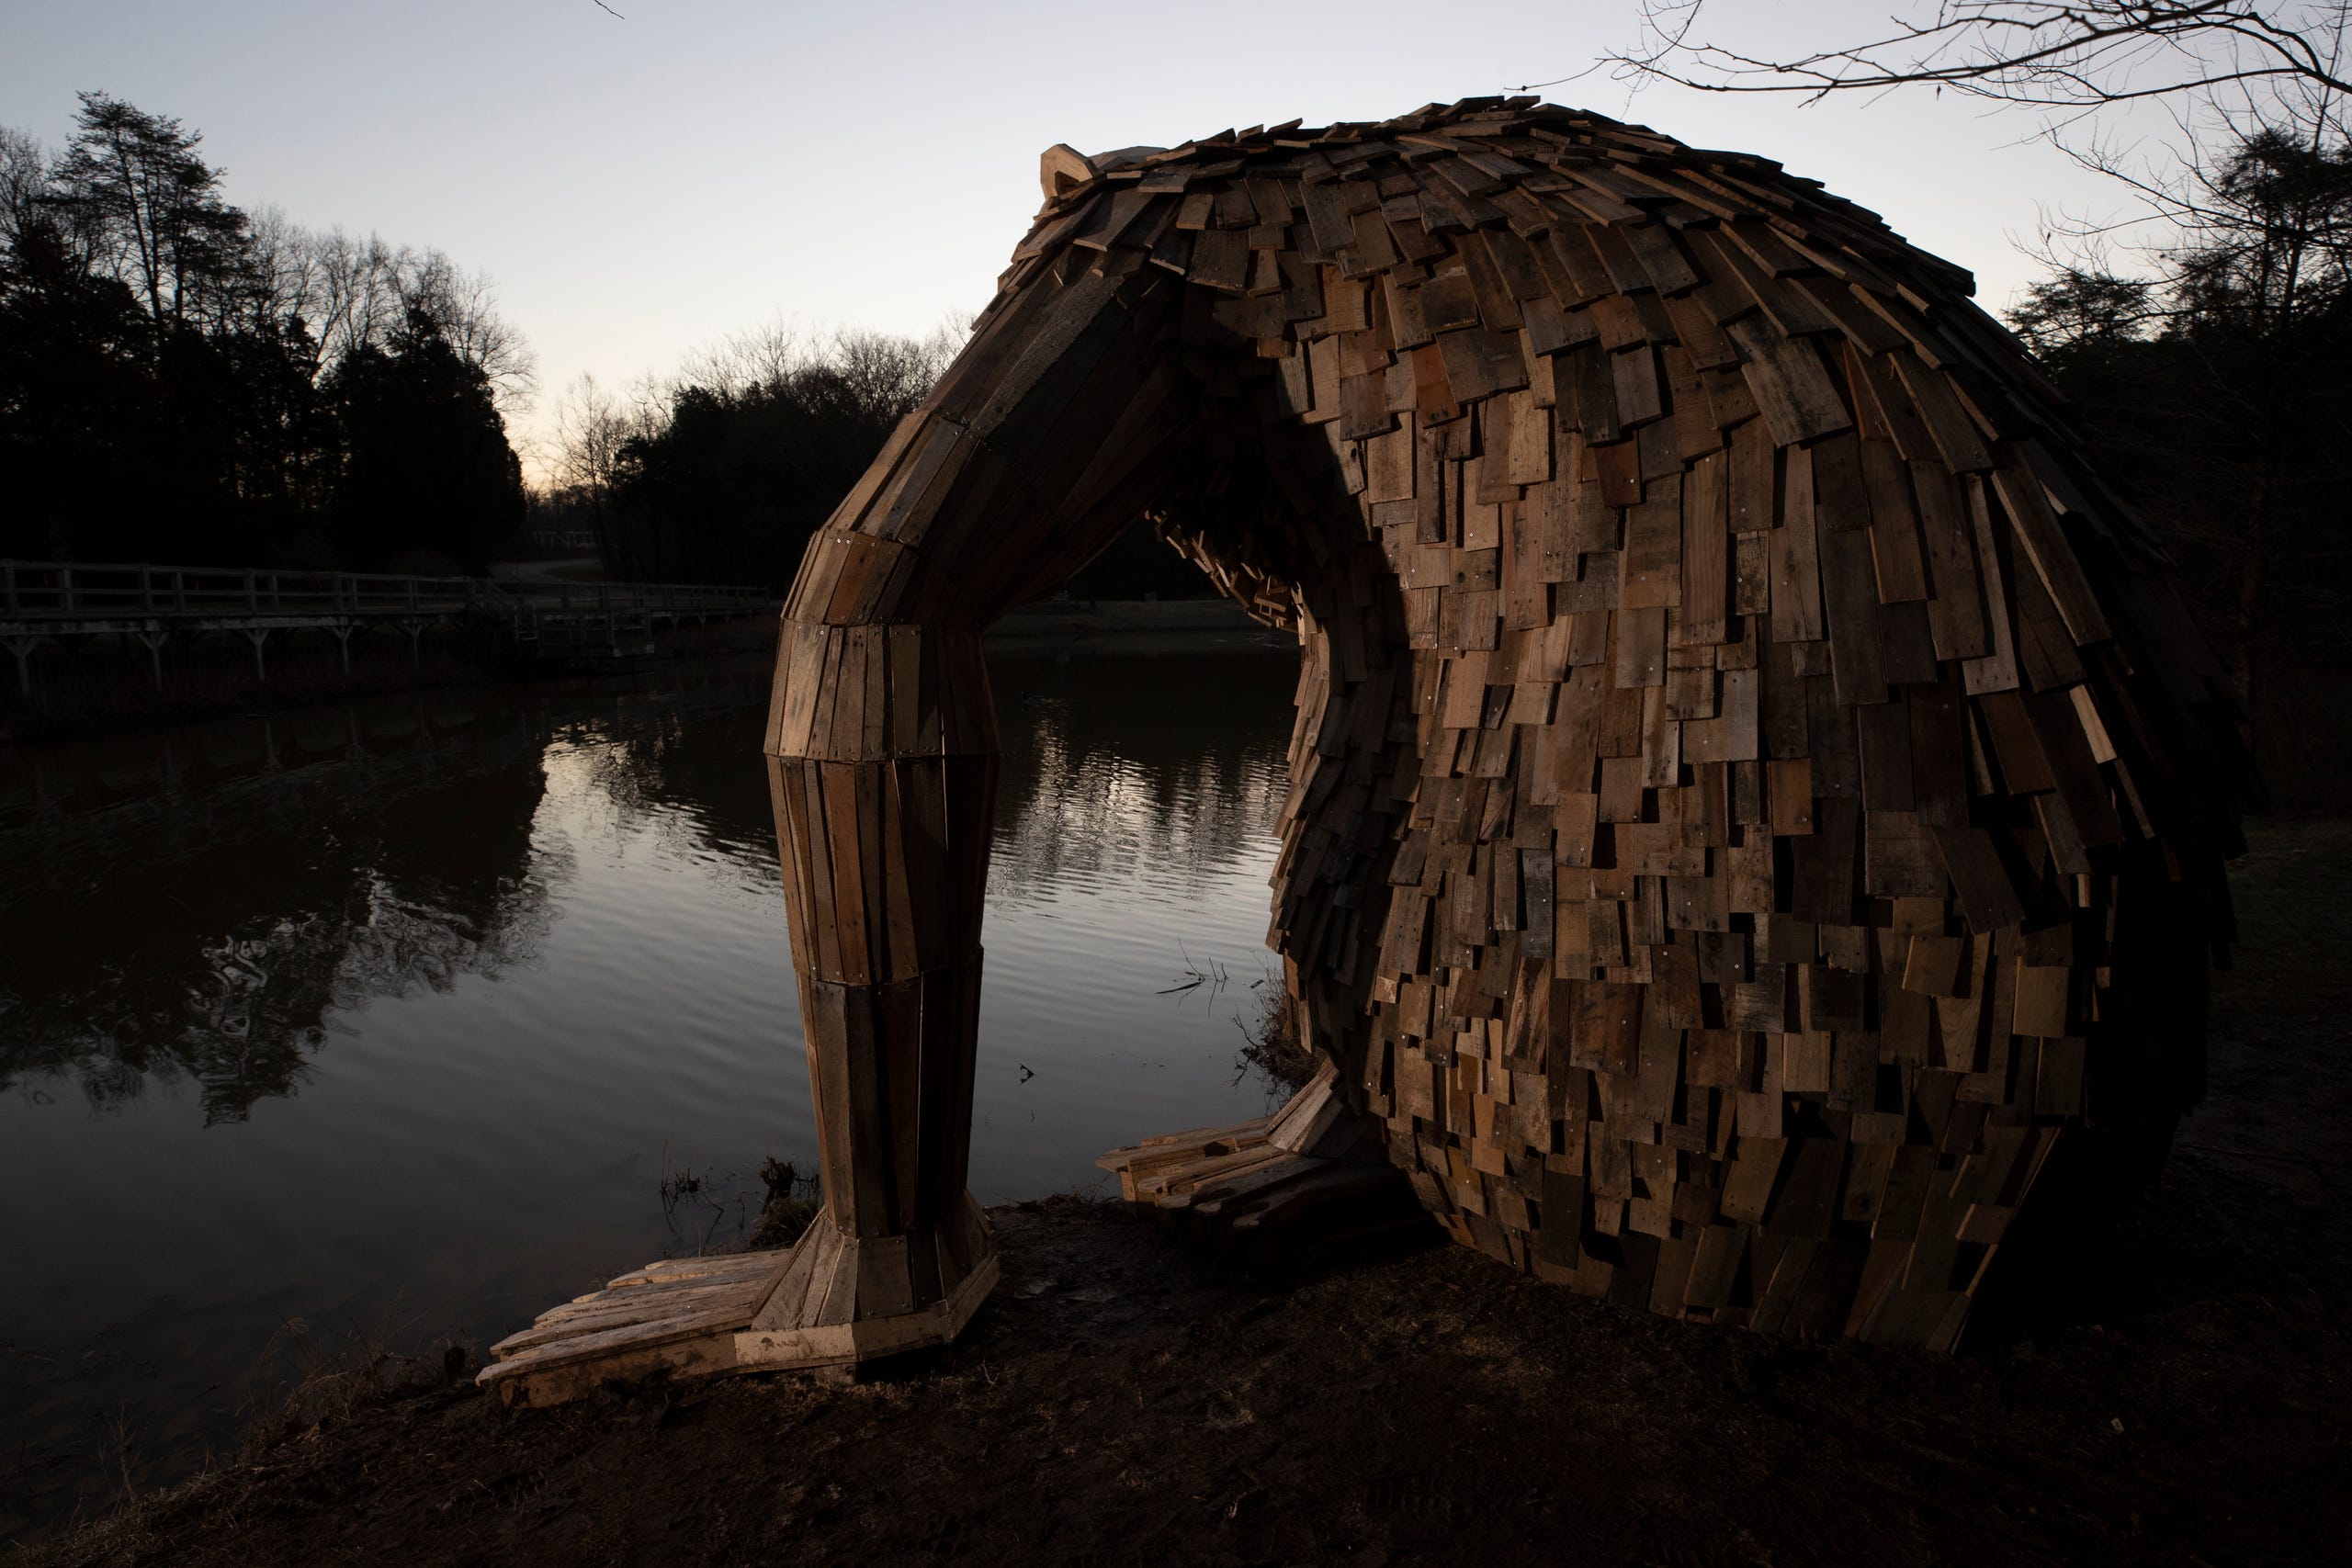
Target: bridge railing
35, 591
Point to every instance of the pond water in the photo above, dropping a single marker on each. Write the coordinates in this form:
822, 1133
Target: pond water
391, 1019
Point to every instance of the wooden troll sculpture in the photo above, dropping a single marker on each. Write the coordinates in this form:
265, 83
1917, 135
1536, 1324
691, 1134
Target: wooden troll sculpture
1756, 806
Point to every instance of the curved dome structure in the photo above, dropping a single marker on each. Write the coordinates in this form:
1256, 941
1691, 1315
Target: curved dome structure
1758, 807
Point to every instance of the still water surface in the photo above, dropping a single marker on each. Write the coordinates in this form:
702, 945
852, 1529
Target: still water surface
394, 1016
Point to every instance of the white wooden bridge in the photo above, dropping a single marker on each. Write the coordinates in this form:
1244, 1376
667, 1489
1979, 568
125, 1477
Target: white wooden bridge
55, 601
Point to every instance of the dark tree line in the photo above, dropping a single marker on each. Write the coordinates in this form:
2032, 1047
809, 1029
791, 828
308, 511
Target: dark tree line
183, 381
188, 382
2218, 389
722, 473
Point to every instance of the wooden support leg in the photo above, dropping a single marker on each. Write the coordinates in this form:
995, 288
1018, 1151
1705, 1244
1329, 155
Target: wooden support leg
884, 848
884, 790
882, 752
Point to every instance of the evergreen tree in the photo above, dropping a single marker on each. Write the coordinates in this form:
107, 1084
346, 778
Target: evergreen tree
180, 384
151, 210
2217, 389
428, 480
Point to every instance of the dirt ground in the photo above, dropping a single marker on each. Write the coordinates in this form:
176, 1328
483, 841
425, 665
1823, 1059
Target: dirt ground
1121, 1402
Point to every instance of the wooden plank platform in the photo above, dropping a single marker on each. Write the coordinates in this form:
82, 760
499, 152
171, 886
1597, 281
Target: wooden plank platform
697, 1318
1305, 1168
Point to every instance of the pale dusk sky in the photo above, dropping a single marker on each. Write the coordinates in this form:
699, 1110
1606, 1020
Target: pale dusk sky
639, 186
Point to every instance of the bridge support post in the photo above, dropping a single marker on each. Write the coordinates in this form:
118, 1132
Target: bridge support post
257, 636
415, 630
22, 646
343, 630
153, 641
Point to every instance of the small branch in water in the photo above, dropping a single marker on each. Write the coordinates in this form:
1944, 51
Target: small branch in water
1213, 976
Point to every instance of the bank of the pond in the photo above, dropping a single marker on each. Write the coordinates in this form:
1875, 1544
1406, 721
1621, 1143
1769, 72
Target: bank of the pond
1120, 1401
1117, 1404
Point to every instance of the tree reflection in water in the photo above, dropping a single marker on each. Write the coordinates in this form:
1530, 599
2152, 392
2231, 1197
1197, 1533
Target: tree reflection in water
1159, 771
202, 905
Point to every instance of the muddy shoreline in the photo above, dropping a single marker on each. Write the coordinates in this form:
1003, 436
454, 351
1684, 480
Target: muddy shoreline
1120, 1400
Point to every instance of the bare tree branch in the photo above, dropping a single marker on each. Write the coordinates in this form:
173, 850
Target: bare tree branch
2038, 53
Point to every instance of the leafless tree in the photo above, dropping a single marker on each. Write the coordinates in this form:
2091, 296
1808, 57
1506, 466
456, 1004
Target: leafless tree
283, 282
757, 357
880, 375
2216, 371
354, 290
464, 306
878, 371
356, 294
591, 425
2229, 74
883, 374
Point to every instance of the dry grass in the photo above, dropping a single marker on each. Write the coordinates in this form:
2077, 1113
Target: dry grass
332, 1377
325, 1380
793, 1200
1271, 1046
